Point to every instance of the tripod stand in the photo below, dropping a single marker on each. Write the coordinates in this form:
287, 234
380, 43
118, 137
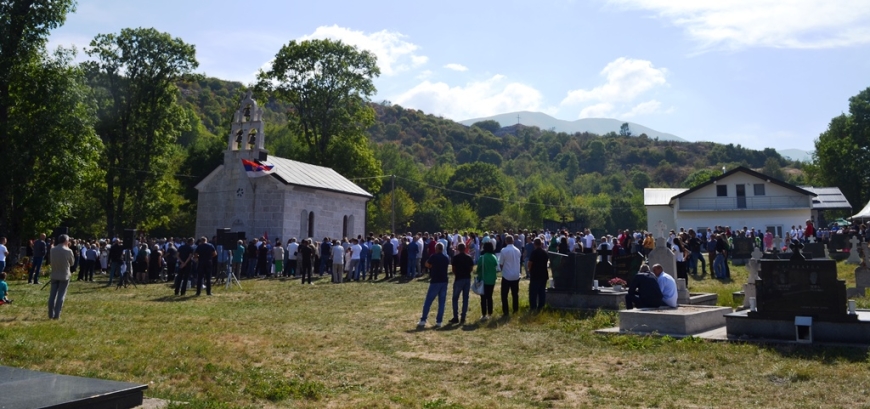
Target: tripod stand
231, 277
125, 276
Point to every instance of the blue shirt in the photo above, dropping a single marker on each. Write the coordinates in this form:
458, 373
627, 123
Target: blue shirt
669, 289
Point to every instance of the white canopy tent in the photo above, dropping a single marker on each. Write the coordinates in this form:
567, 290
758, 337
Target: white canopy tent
864, 214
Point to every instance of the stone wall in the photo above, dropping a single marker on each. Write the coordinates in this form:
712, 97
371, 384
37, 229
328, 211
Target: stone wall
229, 198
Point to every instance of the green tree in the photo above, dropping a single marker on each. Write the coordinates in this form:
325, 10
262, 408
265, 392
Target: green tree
327, 83
139, 120
773, 169
490, 125
53, 139
482, 185
843, 151
624, 130
699, 177
24, 29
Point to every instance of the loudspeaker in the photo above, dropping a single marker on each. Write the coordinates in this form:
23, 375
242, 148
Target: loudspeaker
129, 238
221, 237
58, 231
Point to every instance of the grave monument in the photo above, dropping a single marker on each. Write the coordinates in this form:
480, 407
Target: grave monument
799, 300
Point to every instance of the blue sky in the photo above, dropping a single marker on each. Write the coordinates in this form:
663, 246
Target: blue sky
760, 73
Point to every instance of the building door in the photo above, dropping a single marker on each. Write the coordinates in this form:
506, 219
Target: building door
741, 196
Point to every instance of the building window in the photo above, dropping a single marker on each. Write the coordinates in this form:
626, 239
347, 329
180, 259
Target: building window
776, 230
759, 189
722, 190
344, 227
311, 224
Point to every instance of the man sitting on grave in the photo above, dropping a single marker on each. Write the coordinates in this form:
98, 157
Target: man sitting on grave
667, 285
644, 291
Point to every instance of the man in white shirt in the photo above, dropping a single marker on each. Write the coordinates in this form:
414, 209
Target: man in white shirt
509, 262
667, 285
290, 255
588, 242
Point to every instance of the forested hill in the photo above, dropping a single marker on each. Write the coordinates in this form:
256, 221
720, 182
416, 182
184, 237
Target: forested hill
595, 178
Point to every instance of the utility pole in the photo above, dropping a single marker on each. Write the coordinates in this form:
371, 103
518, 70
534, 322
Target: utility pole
393, 202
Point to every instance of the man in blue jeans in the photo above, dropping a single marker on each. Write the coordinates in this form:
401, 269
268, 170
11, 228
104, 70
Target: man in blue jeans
39, 249
437, 265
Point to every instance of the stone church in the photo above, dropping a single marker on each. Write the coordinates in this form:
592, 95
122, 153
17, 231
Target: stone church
296, 200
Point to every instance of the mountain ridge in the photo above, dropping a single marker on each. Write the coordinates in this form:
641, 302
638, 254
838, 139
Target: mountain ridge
598, 126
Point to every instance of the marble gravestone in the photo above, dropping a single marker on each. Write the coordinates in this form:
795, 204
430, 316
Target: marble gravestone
752, 267
862, 275
664, 256
854, 256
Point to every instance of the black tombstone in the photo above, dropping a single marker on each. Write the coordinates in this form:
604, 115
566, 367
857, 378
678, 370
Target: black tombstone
789, 288
742, 248
814, 250
838, 242
574, 272
626, 267
603, 269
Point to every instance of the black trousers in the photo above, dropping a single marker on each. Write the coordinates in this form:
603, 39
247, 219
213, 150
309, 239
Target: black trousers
486, 299
512, 286
388, 265
306, 272
181, 280
204, 275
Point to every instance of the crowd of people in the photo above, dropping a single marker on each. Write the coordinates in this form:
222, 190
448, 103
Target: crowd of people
476, 260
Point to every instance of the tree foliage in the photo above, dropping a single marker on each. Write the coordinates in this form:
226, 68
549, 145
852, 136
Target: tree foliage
327, 84
139, 121
24, 29
843, 151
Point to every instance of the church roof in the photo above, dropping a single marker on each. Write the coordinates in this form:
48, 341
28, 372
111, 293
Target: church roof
296, 173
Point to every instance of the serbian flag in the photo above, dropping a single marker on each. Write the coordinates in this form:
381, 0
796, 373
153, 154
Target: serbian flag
257, 169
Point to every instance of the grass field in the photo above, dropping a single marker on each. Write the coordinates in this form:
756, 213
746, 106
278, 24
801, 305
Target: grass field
283, 344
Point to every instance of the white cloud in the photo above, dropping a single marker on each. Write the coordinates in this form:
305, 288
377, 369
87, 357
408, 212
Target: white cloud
739, 24
456, 67
602, 110
394, 53
476, 99
626, 80
643, 108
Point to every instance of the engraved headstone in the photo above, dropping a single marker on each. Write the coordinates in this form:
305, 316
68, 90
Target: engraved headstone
786, 289
862, 276
854, 256
603, 269
814, 250
625, 267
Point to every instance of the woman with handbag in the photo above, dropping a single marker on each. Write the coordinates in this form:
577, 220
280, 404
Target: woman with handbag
487, 273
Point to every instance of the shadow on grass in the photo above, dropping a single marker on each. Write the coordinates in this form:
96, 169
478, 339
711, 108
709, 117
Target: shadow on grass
174, 298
